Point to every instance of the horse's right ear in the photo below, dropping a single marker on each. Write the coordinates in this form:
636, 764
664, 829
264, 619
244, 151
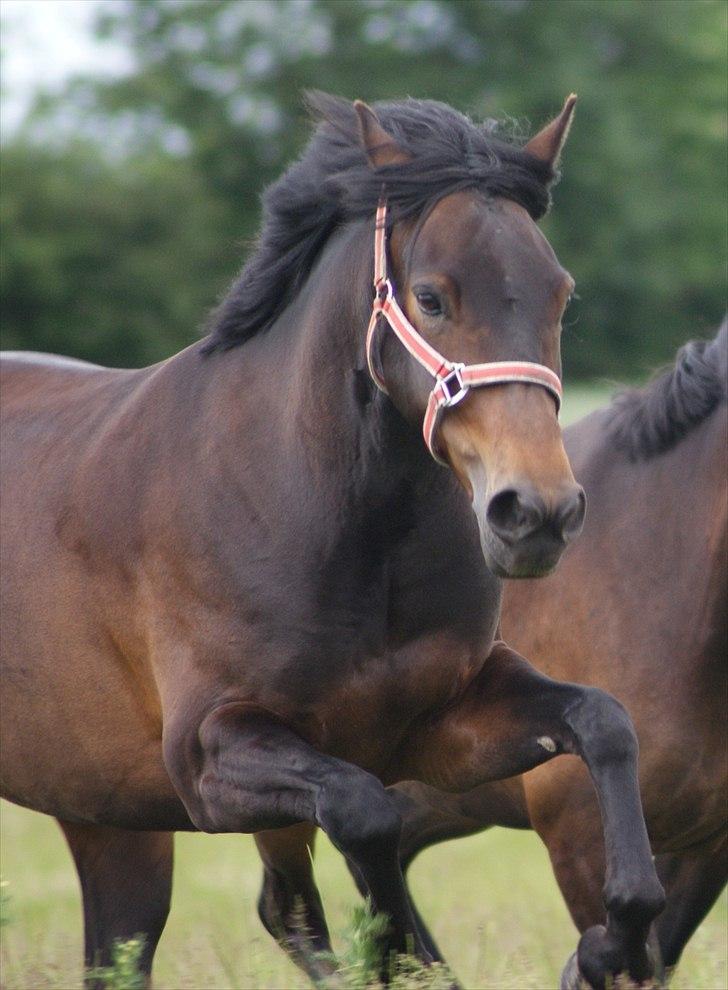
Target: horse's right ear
381, 148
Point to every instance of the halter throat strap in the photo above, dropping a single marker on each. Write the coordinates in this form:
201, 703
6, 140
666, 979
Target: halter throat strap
453, 380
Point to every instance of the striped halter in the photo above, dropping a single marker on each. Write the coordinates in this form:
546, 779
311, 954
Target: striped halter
453, 380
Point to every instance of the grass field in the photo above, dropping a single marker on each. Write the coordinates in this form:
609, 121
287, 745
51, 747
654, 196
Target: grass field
491, 901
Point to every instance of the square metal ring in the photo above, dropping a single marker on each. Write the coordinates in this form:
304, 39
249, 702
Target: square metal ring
453, 386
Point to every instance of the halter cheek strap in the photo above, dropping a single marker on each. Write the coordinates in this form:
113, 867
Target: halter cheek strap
453, 380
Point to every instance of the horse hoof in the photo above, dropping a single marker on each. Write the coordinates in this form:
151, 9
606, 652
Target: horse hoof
571, 978
599, 963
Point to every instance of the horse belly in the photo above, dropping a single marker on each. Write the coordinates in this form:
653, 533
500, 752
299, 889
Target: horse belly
75, 741
83, 755
80, 736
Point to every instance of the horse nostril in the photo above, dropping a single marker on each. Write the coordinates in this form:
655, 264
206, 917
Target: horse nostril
570, 516
513, 514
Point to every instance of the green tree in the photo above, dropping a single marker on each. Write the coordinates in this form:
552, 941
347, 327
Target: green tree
116, 263
640, 216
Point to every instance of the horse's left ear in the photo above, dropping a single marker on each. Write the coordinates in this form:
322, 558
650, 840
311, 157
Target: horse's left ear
381, 148
547, 144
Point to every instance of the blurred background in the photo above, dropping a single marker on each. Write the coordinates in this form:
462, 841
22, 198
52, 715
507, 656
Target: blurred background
138, 135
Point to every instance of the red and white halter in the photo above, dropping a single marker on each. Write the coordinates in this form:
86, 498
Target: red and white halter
453, 380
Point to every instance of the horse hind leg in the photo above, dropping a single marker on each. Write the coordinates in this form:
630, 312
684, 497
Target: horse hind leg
289, 904
126, 885
693, 881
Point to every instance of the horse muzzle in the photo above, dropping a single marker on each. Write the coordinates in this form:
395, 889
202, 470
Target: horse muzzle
523, 535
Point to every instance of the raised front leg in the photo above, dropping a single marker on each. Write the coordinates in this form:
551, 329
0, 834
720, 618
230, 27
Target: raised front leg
240, 770
562, 804
510, 719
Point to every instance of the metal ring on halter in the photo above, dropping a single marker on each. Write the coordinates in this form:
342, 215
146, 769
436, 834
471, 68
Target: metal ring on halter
452, 398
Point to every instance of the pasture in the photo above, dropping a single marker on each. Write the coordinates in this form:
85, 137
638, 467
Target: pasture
491, 901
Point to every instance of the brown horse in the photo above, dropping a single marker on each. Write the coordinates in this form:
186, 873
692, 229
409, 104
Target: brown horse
641, 601
240, 595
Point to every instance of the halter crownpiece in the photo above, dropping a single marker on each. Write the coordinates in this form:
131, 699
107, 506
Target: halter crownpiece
453, 380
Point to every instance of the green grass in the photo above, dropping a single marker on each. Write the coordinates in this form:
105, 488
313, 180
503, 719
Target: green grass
491, 901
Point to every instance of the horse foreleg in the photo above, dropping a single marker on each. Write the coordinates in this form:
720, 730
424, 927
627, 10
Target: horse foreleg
510, 719
289, 904
562, 804
693, 879
416, 817
430, 816
126, 885
240, 770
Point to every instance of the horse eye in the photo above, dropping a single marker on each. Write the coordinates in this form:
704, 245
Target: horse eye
429, 303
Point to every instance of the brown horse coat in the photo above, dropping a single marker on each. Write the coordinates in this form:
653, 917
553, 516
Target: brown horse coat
239, 594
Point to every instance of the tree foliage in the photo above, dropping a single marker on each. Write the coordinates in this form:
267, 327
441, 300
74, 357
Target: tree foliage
125, 227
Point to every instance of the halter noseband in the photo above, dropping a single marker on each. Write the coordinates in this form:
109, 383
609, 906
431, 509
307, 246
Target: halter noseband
453, 380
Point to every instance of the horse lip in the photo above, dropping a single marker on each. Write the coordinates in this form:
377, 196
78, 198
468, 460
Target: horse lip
519, 560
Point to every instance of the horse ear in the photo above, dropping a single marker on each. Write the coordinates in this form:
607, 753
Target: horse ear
380, 147
547, 144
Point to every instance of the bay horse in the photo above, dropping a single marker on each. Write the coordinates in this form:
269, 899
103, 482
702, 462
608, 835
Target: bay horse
240, 595
638, 607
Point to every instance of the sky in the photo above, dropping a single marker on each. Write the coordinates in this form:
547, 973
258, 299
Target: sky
43, 43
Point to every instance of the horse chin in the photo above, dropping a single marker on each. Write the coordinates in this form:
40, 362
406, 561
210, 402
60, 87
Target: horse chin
528, 559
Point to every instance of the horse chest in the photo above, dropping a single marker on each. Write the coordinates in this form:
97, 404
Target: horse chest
364, 681
373, 705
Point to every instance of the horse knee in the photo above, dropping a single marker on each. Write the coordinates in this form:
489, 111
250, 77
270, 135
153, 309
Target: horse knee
358, 815
634, 904
603, 728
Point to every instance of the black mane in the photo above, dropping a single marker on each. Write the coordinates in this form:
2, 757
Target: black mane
332, 182
651, 420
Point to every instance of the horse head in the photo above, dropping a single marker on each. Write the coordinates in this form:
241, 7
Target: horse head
477, 282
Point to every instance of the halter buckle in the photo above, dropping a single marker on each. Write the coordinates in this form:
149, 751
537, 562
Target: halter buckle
453, 386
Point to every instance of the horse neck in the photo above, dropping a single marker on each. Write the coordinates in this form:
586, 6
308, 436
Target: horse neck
368, 497
346, 433
717, 498
703, 486
671, 510
307, 439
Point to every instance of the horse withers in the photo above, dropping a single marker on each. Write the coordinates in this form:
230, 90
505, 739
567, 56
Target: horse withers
239, 593
639, 608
